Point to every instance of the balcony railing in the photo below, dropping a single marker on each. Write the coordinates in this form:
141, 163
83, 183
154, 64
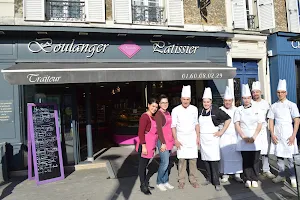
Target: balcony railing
153, 15
65, 10
251, 22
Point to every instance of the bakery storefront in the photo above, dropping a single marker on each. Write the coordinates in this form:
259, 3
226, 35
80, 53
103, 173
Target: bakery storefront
101, 82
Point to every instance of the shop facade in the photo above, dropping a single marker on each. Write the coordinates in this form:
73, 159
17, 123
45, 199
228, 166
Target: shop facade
284, 56
101, 83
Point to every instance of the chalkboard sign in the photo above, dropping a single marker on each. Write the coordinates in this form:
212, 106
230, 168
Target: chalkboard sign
44, 143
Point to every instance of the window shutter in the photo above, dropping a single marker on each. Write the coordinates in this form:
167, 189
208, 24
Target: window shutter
293, 15
122, 11
95, 10
266, 17
175, 13
239, 14
34, 10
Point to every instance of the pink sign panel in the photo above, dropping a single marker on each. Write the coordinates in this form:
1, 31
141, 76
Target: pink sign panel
129, 49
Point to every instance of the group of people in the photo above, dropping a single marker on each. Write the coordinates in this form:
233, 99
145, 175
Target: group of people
231, 139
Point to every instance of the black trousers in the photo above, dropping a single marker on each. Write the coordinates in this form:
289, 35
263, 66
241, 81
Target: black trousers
213, 171
143, 163
251, 165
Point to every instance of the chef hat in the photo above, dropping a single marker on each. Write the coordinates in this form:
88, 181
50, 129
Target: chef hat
207, 93
256, 86
246, 91
281, 85
186, 91
228, 94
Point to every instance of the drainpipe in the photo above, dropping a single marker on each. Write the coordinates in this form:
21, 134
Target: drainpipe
89, 124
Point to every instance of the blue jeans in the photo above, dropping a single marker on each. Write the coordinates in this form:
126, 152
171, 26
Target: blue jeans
163, 172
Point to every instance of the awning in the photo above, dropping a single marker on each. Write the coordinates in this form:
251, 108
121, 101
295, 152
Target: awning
59, 73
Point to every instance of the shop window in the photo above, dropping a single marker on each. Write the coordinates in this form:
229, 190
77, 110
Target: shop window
237, 91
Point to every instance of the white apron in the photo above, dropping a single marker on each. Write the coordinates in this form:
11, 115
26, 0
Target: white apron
209, 144
264, 134
283, 131
231, 160
186, 135
265, 139
248, 116
189, 148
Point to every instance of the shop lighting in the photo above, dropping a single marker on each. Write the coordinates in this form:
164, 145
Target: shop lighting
42, 32
157, 36
127, 83
190, 36
122, 34
83, 33
101, 85
161, 85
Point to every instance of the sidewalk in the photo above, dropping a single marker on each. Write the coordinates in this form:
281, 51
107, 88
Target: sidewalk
93, 185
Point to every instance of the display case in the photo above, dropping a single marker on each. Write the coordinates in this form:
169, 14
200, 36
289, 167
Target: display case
126, 125
127, 120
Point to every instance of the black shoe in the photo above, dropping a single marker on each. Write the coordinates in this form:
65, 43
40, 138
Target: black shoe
145, 190
150, 187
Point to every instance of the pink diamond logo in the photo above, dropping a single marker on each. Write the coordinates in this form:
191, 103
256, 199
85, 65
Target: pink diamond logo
129, 49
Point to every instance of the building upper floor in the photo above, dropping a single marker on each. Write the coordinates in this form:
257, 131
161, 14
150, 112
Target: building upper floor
254, 16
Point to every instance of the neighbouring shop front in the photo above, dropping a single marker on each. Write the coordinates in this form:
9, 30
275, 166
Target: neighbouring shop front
284, 56
101, 82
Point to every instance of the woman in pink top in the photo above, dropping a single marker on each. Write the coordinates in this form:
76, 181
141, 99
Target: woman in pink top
146, 143
165, 143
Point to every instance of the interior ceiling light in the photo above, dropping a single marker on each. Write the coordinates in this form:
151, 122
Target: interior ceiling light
122, 34
83, 33
42, 32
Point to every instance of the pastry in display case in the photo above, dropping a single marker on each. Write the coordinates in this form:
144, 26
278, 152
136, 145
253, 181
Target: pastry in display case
128, 117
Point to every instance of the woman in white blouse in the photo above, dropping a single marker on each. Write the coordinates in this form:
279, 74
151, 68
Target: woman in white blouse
248, 122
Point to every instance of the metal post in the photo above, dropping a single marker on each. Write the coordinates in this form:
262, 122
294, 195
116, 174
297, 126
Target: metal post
89, 124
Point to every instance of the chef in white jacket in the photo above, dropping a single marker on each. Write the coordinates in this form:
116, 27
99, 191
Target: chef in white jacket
209, 121
264, 106
185, 129
231, 160
248, 122
284, 142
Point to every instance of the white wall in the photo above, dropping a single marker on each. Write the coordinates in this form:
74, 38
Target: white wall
7, 8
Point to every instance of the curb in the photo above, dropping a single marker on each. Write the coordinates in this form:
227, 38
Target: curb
67, 169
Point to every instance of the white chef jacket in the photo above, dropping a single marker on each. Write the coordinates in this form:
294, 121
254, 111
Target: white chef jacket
264, 107
185, 121
283, 114
248, 118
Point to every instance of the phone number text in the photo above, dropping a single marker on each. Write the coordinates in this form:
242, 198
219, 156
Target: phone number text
201, 75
